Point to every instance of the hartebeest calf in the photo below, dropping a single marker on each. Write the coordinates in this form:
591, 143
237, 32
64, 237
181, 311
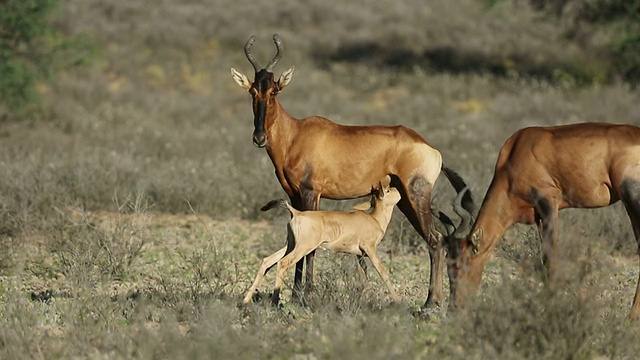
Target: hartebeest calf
355, 232
316, 158
539, 171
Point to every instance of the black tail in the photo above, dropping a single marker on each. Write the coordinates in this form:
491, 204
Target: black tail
458, 184
275, 203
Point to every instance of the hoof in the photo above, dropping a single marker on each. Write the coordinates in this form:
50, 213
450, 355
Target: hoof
428, 314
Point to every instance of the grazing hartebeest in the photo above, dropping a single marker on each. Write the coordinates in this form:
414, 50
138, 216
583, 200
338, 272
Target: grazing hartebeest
316, 158
541, 170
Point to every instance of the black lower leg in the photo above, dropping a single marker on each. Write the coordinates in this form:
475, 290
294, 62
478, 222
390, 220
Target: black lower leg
297, 280
298, 203
545, 220
309, 274
275, 297
309, 201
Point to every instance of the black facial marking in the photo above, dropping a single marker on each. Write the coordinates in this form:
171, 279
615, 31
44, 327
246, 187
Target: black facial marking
259, 115
263, 81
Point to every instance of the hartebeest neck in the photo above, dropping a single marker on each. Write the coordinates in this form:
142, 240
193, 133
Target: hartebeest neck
382, 213
280, 128
495, 216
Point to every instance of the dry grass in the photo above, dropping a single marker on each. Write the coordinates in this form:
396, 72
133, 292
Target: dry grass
128, 205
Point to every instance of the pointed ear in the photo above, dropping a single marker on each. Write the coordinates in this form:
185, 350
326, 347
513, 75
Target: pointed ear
475, 240
285, 78
381, 189
241, 79
386, 181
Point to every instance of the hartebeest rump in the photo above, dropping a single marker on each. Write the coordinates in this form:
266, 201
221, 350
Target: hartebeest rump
587, 165
355, 232
316, 158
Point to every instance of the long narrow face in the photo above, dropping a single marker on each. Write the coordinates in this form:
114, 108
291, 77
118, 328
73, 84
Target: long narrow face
457, 242
391, 196
263, 89
385, 193
464, 266
455, 261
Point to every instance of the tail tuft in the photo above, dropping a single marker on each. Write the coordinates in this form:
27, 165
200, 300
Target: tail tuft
274, 203
458, 184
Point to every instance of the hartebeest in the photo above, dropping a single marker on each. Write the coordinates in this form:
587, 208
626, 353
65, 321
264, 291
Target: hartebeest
539, 171
355, 232
316, 158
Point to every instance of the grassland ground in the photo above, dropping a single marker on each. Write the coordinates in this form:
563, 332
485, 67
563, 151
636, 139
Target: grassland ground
172, 245
129, 199
178, 295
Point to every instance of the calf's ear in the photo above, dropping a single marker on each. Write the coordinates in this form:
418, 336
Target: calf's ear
386, 181
380, 191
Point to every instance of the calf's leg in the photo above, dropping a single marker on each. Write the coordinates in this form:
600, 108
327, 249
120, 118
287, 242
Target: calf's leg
267, 264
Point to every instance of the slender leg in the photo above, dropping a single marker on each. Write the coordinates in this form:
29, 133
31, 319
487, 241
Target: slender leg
362, 265
631, 200
305, 201
416, 206
308, 285
375, 260
310, 201
285, 263
550, 244
436, 276
267, 264
546, 214
635, 307
296, 202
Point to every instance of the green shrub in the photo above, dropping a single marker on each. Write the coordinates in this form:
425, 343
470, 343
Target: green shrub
619, 20
32, 50
627, 54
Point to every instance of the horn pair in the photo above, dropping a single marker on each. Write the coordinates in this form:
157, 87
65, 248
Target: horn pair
465, 215
256, 65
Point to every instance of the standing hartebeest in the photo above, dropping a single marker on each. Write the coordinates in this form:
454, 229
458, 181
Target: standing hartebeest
539, 171
316, 158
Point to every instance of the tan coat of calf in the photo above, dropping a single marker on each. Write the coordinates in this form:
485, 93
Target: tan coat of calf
355, 232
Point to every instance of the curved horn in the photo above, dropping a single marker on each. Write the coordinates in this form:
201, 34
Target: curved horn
449, 227
247, 52
278, 55
465, 225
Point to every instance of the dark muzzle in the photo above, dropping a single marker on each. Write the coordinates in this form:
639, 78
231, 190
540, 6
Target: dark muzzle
259, 139
259, 135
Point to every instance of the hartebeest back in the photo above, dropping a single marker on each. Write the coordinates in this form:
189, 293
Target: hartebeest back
316, 158
541, 170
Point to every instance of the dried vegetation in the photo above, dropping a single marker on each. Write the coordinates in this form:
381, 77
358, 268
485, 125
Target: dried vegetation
129, 224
